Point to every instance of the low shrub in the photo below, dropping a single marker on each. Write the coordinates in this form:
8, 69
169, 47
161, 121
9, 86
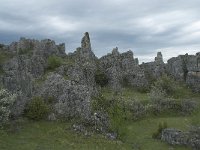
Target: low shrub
116, 111
37, 109
101, 78
54, 62
118, 120
166, 84
157, 94
161, 127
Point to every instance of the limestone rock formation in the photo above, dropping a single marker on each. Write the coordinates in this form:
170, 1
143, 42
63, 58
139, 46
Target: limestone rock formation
24, 70
70, 99
186, 68
156, 69
122, 68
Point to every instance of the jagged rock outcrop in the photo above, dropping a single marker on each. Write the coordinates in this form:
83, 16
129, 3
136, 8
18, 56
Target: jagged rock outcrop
29, 61
122, 68
25, 62
43, 48
186, 68
156, 69
85, 65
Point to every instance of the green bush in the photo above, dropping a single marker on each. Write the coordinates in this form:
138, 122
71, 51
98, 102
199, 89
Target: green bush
101, 78
54, 62
166, 84
161, 127
118, 120
100, 103
116, 111
37, 109
157, 94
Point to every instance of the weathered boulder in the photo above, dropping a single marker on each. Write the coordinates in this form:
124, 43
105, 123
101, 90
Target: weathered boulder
177, 137
71, 100
174, 136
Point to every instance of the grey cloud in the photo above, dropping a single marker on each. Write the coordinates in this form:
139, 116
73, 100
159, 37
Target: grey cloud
141, 25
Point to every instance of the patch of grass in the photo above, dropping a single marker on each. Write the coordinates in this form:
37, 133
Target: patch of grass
126, 93
140, 132
54, 62
45, 135
182, 91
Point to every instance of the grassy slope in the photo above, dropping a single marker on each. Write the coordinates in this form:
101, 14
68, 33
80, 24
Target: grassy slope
57, 136
45, 135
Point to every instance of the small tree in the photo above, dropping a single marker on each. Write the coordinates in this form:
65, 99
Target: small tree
37, 109
54, 62
6, 101
166, 84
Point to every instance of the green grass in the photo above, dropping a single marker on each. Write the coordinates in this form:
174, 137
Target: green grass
54, 136
141, 132
44, 135
126, 93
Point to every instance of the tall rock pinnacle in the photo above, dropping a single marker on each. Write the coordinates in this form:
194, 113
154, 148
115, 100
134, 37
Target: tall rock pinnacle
85, 42
159, 58
86, 50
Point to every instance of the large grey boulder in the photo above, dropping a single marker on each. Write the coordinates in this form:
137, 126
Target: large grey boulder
71, 100
176, 137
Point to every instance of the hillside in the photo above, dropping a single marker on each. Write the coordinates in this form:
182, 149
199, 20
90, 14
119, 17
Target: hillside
53, 100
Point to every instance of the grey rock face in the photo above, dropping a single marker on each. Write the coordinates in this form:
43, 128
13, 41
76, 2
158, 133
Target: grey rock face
186, 68
174, 137
159, 58
156, 69
86, 50
119, 67
43, 48
177, 137
29, 62
71, 100
17, 78
84, 68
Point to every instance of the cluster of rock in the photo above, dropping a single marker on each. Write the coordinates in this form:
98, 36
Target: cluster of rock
156, 69
73, 83
28, 65
122, 69
186, 68
176, 137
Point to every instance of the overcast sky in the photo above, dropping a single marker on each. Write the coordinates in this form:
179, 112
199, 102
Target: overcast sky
144, 26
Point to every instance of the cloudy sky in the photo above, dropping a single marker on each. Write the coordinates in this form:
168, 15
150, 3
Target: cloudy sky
144, 26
